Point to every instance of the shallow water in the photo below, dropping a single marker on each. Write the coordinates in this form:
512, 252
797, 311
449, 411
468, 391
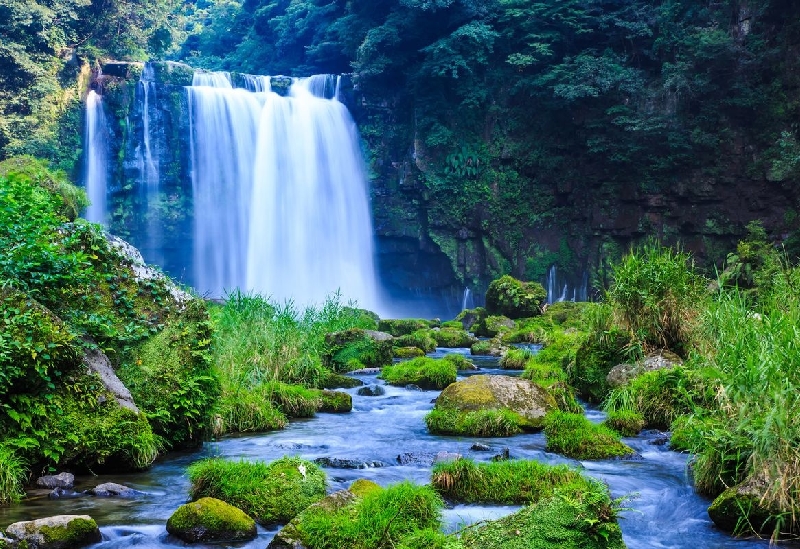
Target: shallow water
666, 513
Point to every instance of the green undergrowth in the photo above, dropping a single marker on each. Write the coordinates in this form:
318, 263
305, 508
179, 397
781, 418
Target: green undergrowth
575, 436
452, 337
269, 492
625, 422
13, 474
424, 372
421, 339
478, 423
516, 359
405, 326
354, 349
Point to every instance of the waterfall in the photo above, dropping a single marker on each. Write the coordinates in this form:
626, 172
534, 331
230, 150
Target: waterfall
281, 204
467, 302
579, 292
96, 155
147, 162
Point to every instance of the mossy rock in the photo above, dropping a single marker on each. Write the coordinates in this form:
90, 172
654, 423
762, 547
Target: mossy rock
469, 317
58, 532
336, 402
424, 372
488, 347
362, 486
407, 352
742, 511
452, 324
355, 349
625, 422
292, 536
594, 359
405, 326
211, 520
621, 374
575, 436
421, 339
494, 325
339, 381
513, 298
453, 338
522, 397
478, 423
461, 362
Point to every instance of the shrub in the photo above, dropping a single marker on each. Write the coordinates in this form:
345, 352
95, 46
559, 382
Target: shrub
479, 423
242, 410
13, 474
516, 359
270, 493
427, 373
575, 436
515, 299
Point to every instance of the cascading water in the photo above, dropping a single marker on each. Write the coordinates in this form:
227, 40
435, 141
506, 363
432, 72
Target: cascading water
554, 294
147, 161
281, 205
96, 164
467, 302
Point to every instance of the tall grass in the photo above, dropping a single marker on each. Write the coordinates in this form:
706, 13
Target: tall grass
13, 473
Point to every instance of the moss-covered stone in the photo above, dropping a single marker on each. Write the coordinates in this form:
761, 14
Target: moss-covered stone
452, 338
407, 352
211, 520
421, 339
405, 326
493, 325
575, 436
424, 372
461, 362
488, 347
361, 487
356, 348
336, 402
513, 298
594, 360
338, 381
742, 511
625, 422
477, 423
58, 532
470, 317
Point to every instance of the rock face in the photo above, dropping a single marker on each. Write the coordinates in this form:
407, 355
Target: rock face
481, 392
59, 532
290, 536
211, 520
622, 373
98, 362
61, 480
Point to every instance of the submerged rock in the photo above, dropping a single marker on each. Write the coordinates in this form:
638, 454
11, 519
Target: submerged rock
211, 520
112, 489
58, 532
479, 447
371, 390
416, 458
345, 463
61, 480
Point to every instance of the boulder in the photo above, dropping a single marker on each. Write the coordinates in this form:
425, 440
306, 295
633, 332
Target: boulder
371, 390
356, 349
407, 352
58, 532
488, 347
453, 338
492, 326
470, 317
290, 536
742, 508
345, 463
480, 447
513, 298
621, 374
482, 392
112, 489
416, 458
336, 402
211, 520
61, 480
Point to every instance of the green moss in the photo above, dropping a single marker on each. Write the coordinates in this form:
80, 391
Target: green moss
478, 423
355, 348
470, 317
452, 338
405, 326
594, 359
338, 381
407, 352
421, 339
493, 325
79, 531
575, 436
510, 297
482, 348
336, 402
270, 493
740, 510
516, 359
461, 362
209, 520
426, 373
452, 324
361, 487
625, 422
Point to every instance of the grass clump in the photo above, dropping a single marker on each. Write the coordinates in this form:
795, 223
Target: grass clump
516, 359
13, 473
407, 352
575, 436
426, 373
421, 339
461, 362
452, 338
405, 326
336, 402
501, 482
478, 423
268, 492
625, 422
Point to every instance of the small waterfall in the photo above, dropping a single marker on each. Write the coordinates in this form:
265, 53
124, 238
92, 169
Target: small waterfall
579, 293
147, 161
96, 156
467, 302
281, 203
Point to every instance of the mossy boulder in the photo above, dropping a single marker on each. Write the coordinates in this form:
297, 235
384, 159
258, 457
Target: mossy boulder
522, 397
575, 436
58, 532
625, 422
621, 374
211, 520
742, 510
407, 352
421, 339
594, 359
336, 402
356, 348
461, 362
362, 486
424, 372
291, 536
469, 317
493, 325
339, 381
405, 326
513, 298
488, 347
452, 338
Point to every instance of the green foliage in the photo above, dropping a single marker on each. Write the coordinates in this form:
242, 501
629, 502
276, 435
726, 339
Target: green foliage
516, 359
426, 373
421, 339
268, 492
515, 299
601, 351
461, 362
407, 352
501, 482
478, 423
575, 436
452, 337
627, 423
355, 348
336, 402
217, 521
13, 474
404, 326
37, 173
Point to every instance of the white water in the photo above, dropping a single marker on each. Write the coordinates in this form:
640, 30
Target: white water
281, 203
147, 161
556, 293
96, 165
467, 302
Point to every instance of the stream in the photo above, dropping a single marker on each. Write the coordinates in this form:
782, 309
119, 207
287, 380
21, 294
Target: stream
665, 510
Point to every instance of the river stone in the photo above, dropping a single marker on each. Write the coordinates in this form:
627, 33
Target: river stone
479, 447
211, 520
58, 532
484, 392
416, 458
61, 480
444, 456
661, 360
371, 390
344, 463
365, 371
290, 536
741, 507
109, 489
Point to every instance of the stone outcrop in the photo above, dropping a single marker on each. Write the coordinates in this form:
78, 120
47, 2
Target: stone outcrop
211, 520
58, 532
622, 373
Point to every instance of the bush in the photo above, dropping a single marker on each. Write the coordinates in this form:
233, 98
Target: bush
575, 436
479, 423
426, 373
241, 410
270, 493
510, 297
13, 474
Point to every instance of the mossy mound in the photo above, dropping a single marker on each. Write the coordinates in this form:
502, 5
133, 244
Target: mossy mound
479, 393
424, 372
488, 347
336, 402
478, 423
742, 511
421, 339
407, 352
594, 360
338, 381
406, 326
362, 486
58, 532
269, 492
625, 422
513, 298
461, 362
355, 349
493, 325
469, 317
211, 520
575, 436
516, 359
452, 338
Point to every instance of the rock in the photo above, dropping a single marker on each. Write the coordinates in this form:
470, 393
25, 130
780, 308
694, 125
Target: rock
344, 463
661, 360
481, 392
407, 352
336, 402
492, 326
513, 298
416, 458
490, 347
97, 361
470, 317
58, 532
211, 520
504, 455
478, 447
338, 381
405, 326
446, 456
743, 509
62, 493
112, 489
61, 480
361, 487
290, 537
365, 371
121, 69
453, 338
355, 349
371, 390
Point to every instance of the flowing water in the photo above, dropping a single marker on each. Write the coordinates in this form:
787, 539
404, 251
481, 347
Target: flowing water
280, 194
666, 512
556, 292
96, 159
147, 160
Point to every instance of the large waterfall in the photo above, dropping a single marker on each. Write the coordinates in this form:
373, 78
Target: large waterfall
148, 164
280, 196
96, 159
